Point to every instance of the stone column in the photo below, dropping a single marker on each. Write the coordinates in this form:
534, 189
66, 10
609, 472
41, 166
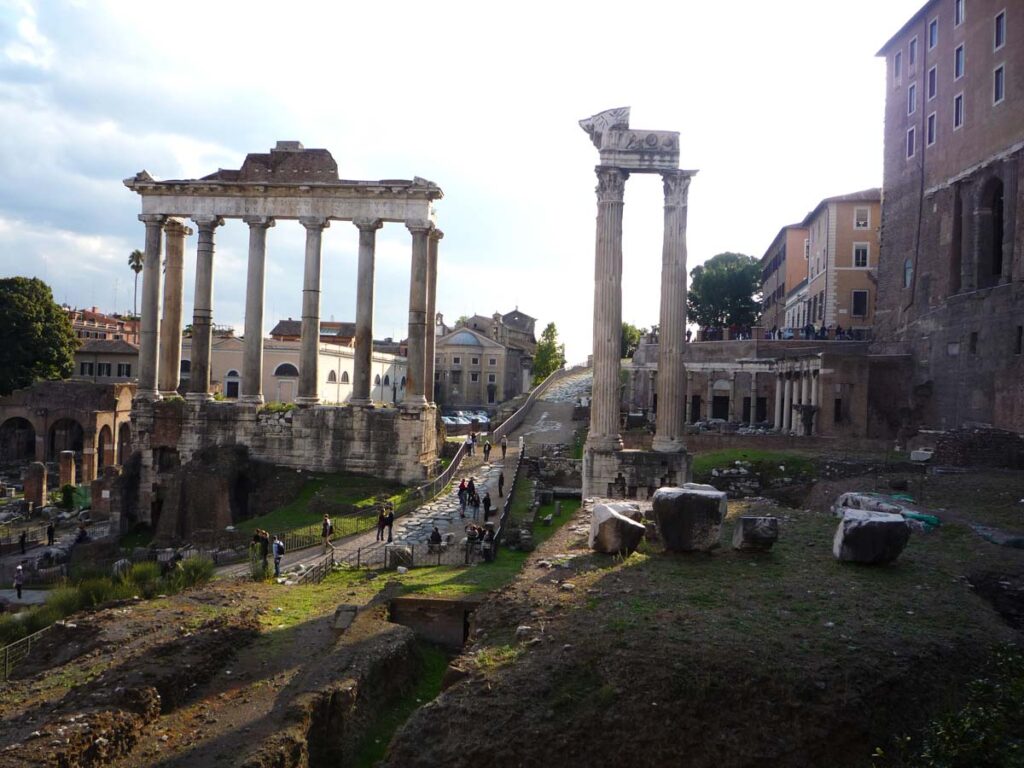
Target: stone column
709, 409
733, 399
252, 361
431, 328
780, 385
604, 403
202, 310
414, 384
364, 311
815, 381
787, 404
170, 326
670, 420
753, 398
35, 485
309, 346
67, 468
149, 333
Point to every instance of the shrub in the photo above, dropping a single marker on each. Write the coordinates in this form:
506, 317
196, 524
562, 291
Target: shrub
65, 600
67, 496
94, 592
191, 572
12, 627
143, 578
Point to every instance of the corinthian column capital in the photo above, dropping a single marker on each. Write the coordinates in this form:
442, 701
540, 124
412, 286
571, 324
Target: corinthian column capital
611, 184
676, 185
418, 226
368, 225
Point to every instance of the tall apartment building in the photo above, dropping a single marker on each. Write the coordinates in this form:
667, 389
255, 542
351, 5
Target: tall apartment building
783, 266
951, 279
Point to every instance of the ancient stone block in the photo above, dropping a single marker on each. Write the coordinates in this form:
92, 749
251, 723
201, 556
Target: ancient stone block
869, 537
612, 531
690, 518
35, 484
755, 534
67, 468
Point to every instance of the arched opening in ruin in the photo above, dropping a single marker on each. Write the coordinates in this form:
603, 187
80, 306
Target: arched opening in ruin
231, 384
988, 217
65, 435
287, 376
104, 448
124, 443
17, 440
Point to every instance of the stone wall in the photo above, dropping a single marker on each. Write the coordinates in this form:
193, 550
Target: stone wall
632, 474
980, 448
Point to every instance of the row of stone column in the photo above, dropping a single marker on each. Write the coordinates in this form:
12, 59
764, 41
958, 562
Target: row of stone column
671, 385
160, 338
796, 385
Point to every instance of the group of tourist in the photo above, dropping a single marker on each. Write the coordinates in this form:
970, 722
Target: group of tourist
473, 438
385, 521
262, 546
482, 535
810, 333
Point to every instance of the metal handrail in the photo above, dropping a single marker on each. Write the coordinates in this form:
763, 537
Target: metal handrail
19, 650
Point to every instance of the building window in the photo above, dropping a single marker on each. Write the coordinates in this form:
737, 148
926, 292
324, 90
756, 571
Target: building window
492, 378
933, 33
911, 136
958, 111
998, 84
958, 62
912, 54
286, 370
332, 377
493, 361
908, 273
912, 98
972, 344
474, 361
1000, 31
931, 129
861, 218
124, 370
474, 376
897, 67
456, 378
344, 377
933, 83
860, 304
860, 254
103, 369
807, 249
958, 12
456, 360
85, 369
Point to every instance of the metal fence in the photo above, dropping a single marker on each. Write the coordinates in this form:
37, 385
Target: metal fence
19, 650
318, 572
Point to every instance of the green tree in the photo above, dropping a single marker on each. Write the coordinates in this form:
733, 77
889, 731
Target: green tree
550, 354
36, 339
135, 260
631, 336
725, 290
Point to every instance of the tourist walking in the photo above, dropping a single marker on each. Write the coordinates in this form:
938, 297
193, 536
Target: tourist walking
463, 501
487, 505
471, 488
389, 521
50, 534
501, 484
326, 529
504, 446
19, 580
278, 554
469, 445
381, 521
487, 450
474, 505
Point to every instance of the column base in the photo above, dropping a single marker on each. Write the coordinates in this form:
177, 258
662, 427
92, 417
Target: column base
667, 445
166, 393
416, 401
603, 443
198, 397
367, 403
251, 399
149, 395
306, 402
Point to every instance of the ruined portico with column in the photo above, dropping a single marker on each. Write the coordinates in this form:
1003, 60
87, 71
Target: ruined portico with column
608, 469
288, 184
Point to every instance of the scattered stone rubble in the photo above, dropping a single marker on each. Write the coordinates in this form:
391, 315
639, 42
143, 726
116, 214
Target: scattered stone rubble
873, 538
616, 528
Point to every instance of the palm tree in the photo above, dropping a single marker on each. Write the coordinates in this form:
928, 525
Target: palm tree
135, 260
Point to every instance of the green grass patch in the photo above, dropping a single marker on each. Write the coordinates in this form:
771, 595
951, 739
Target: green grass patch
140, 536
375, 741
767, 464
277, 407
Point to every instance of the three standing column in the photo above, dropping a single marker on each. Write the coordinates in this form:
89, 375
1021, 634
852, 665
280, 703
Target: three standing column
364, 310
414, 384
149, 341
252, 363
670, 419
431, 328
170, 326
202, 311
309, 346
604, 404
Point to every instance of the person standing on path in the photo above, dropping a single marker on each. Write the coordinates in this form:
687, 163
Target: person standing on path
381, 517
389, 521
504, 446
487, 505
19, 580
501, 481
23, 541
50, 531
474, 504
326, 529
265, 551
469, 445
278, 554
487, 450
471, 488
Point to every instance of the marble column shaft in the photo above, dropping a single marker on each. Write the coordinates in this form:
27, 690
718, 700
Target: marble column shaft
202, 309
252, 361
787, 406
149, 333
815, 381
364, 310
753, 398
309, 345
431, 329
170, 326
671, 417
780, 385
604, 404
414, 384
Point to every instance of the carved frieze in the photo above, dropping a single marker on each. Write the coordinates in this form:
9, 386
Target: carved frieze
598, 125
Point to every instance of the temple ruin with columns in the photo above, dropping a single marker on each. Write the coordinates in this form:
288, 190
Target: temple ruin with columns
289, 183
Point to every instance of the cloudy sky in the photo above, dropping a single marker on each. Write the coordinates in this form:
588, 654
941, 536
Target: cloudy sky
779, 105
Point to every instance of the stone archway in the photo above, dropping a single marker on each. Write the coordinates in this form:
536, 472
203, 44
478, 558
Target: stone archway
105, 449
989, 235
65, 434
17, 440
124, 442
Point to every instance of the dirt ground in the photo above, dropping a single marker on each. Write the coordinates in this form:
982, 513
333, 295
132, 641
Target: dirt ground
728, 659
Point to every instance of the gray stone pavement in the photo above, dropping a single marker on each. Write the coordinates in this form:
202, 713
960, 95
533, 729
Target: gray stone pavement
28, 596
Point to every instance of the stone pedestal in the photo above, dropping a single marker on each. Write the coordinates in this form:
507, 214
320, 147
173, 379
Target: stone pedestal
67, 468
631, 474
35, 484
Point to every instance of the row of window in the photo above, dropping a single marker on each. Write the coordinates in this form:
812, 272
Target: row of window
456, 377
124, 370
998, 41
814, 308
931, 123
492, 361
953, 347
998, 85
